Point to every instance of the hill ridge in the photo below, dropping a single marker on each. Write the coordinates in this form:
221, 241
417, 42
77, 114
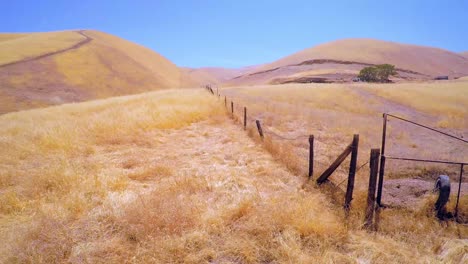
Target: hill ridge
48, 54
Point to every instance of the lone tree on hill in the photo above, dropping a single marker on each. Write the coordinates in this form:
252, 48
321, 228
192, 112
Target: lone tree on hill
378, 73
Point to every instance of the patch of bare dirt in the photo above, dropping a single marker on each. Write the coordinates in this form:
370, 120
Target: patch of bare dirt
409, 193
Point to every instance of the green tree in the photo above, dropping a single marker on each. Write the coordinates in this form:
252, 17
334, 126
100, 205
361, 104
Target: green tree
368, 74
384, 71
378, 73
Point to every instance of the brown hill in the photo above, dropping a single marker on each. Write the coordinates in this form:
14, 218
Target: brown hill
40, 69
212, 75
341, 61
464, 54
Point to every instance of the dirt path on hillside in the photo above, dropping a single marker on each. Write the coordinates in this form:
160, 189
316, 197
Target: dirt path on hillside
220, 155
75, 46
392, 107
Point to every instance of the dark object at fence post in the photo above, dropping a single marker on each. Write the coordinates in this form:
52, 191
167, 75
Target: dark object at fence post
225, 101
459, 188
443, 186
259, 127
352, 172
382, 161
245, 117
232, 107
334, 165
311, 156
374, 164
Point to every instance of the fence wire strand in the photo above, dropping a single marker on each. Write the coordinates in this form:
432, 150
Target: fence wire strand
270, 132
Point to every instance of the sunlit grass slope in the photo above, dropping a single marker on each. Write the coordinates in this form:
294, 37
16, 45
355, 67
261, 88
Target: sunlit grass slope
167, 177
106, 66
447, 100
426, 60
10, 36
22, 46
334, 112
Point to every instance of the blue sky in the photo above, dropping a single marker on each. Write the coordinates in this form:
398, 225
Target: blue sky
241, 33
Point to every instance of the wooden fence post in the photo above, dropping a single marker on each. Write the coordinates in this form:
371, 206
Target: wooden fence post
374, 167
259, 127
225, 101
382, 161
458, 194
334, 165
311, 156
352, 172
245, 117
232, 108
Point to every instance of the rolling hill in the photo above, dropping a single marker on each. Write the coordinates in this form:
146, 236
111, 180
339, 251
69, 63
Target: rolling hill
40, 69
464, 54
341, 60
213, 75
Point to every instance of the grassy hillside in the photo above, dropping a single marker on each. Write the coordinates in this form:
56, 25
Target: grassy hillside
168, 177
342, 59
427, 60
212, 75
100, 67
334, 112
15, 47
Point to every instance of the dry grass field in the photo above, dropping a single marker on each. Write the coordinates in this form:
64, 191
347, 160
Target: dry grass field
50, 69
334, 112
168, 177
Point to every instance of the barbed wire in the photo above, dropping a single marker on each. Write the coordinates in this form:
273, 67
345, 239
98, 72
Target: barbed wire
362, 166
269, 131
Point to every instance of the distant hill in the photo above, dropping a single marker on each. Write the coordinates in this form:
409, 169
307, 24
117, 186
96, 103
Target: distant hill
40, 69
341, 60
212, 75
464, 54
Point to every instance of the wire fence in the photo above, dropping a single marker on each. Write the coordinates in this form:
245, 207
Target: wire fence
271, 133
384, 158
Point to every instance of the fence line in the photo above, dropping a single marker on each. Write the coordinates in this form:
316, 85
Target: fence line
352, 150
376, 169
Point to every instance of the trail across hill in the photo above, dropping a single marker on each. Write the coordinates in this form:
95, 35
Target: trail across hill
75, 46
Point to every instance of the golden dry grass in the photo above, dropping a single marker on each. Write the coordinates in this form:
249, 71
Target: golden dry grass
22, 46
166, 72
167, 177
10, 36
334, 112
104, 67
425, 60
446, 99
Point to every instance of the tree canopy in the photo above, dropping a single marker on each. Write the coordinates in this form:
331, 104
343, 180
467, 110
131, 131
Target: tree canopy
378, 73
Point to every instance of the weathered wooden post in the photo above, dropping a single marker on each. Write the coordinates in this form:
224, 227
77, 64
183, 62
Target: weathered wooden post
374, 166
382, 161
459, 188
232, 108
311, 156
324, 176
225, 101
352, 172
245, 118
259, 127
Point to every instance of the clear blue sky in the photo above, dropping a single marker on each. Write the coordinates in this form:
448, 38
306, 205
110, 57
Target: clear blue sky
239, 33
